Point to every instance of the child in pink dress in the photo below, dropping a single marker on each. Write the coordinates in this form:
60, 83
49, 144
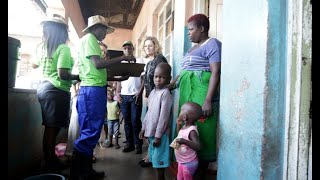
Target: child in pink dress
187, 142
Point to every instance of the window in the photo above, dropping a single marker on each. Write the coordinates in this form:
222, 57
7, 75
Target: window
139, 48
165, 29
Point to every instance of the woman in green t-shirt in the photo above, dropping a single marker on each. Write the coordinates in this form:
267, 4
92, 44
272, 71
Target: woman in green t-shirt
54, 59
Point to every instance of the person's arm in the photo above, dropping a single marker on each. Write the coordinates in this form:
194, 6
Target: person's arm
213, 84
164, 118
194, 142
119, 109
141, 133
142, 85
173, 84
64, 74
101, 63
118, 92
138, 94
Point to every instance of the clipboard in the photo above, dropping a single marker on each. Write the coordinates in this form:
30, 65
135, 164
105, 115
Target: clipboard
124, 69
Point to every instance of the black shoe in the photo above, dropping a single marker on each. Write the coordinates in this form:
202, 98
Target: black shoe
96, 174
140, 162
138, 149
128, 149
146, 164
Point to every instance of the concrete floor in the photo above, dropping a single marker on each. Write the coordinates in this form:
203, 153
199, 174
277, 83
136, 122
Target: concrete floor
120, 166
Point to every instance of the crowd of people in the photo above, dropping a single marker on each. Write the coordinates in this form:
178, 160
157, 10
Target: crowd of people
99, 102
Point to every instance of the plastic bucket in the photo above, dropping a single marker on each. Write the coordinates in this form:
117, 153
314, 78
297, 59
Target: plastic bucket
46, 177
13, 57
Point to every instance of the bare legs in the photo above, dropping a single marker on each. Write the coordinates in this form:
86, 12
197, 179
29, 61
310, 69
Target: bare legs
160, 173
202, 171
48, 145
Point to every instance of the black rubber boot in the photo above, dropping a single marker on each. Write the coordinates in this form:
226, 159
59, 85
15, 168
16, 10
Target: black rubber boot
80, 166
96, 174
74, 168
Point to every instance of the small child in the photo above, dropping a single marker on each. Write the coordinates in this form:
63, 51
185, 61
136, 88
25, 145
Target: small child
113, 109
156, 122
187, 142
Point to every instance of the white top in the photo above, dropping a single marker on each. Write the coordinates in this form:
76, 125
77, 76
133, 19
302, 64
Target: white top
132, 85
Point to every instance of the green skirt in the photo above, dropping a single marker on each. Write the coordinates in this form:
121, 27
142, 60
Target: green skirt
193, 86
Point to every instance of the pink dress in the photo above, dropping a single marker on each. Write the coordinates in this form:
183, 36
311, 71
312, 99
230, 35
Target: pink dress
186, 157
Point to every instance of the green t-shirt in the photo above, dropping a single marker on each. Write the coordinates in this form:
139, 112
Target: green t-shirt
61, 58
89, 74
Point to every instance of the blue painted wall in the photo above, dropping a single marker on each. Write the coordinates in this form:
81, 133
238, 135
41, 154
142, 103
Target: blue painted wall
184, 43
274, 115
252, 90
181, 44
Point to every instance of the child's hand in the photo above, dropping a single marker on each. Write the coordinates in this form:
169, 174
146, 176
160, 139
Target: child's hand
179, 121
141, 134
202, 119
156, 142
175, 144
180, 140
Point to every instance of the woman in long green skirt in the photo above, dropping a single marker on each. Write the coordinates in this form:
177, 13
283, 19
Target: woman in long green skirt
199, 82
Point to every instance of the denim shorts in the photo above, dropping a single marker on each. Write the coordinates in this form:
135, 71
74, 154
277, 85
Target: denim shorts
113, 127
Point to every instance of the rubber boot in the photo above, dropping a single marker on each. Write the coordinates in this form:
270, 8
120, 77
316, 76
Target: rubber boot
74, 168
96, 174
81, 166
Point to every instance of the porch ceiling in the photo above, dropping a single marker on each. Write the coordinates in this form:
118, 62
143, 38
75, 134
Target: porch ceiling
119, 13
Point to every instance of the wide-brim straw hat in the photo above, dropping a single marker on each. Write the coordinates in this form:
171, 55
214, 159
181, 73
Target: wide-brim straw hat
56, 19
97, 19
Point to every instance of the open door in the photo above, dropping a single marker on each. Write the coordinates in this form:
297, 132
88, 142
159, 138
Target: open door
215, 16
